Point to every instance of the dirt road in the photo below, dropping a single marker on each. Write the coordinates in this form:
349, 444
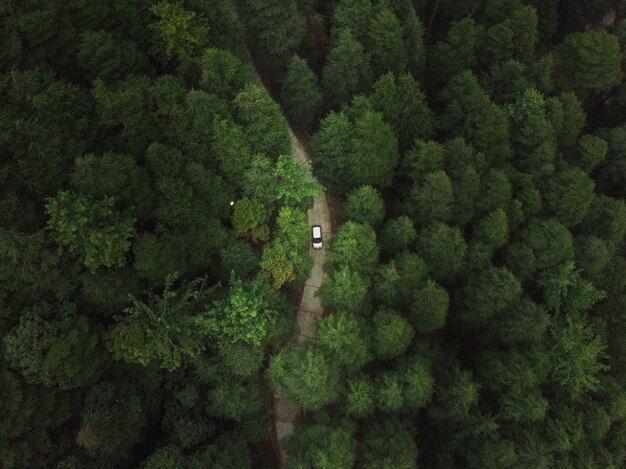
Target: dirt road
310, 311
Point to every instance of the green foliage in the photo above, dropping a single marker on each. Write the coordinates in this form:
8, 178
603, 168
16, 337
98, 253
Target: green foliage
294, 183
490, 293
344, 290
591, 150
112, 421
588, 62
305, 374
457, 52
249, 219
166, 328
403, 105
364, 205
578, 355
53, 346
443, 248
341, 335
347, 71
430, 307
569, 196
324, 445
264, 125
277, 24
91, 229
430, 199
300, 94
389, 445
385, 43
177, 32
242, 316
398, 234
359, 399
222, 74
354, 247
392, 334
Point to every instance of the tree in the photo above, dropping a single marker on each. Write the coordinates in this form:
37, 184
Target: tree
54, 346
591, 151
112, 421
411, 270
355, 15
223, 74
588, 62
264, 124
324, 444
490, 293
493, 230
385, 43
91, 229
294, 184
443, 248
230, 147
455, 395
403, 105
341, 335
550, 242
249, 219
392, 334
359, 398
374, 153
569, 196
364, 205
347, 71
469, 113
177, 32
305, 374
567, 116
429, 308
166, 328
276, 25
458, 52
578, 355
431, 199
354, 247
414, 43
258, 181
389, 444
329, 146
243, 315
344, 290
300, 94
398, 234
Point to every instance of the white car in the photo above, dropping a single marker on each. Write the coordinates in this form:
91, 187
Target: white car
316, 236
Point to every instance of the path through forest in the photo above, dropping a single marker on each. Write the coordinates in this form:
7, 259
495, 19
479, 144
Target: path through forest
310, 311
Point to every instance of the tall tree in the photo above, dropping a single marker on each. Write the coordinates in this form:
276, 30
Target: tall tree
300, 94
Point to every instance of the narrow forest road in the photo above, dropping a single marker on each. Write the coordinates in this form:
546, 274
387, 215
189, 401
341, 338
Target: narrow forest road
310, 311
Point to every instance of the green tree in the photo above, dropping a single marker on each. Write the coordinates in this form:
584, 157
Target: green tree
359, 398
414, 43
385, 43
354, 247
430, 307
443, 248
324, 444
577, 355
430, 199
343, 337
294, 183
569, 196
54, 346
250, 219
300, 93
457, 52
403, 105
364, 205
264, 124
355, 15
166, 328
588, 62
177, 32
493, 230
112, 421
398, 234
305, 374
389, 444
276, 25
243, 315
489, 293
392, 334
347, 71
223, 74
258, 181
91, 229
591, 151
567, 116
345, 290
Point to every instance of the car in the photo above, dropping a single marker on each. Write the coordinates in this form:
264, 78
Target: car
316, 236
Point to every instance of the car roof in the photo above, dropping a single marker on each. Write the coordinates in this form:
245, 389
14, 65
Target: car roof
317, 230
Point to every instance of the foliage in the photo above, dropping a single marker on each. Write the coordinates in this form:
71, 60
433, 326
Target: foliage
364, 205
300, 94
92, 229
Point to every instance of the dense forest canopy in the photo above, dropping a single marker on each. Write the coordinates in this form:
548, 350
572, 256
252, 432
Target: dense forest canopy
154, 238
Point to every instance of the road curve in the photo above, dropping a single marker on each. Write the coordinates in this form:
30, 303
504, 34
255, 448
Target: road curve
310, 311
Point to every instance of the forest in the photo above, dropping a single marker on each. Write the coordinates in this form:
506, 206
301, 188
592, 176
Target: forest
154, 239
